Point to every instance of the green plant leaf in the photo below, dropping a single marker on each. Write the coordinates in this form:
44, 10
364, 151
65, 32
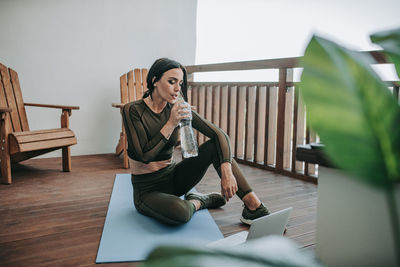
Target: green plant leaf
353, 112
179, 256
268, 251
390, 42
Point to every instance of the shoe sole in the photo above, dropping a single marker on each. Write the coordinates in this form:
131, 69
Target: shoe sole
246, 221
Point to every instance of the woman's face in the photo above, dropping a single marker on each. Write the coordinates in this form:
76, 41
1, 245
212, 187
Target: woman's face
169, 85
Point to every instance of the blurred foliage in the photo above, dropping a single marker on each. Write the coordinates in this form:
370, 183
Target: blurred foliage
267, 251
355, 114
390, 42
352, 110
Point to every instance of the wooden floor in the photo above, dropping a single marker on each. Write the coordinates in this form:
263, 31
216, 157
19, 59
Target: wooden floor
51, 218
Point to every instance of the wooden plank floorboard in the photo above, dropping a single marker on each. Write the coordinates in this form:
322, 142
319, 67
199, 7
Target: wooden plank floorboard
51, 218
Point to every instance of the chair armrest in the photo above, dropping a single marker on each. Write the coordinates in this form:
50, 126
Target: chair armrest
3, 113
51, 106
117, 105
5, 109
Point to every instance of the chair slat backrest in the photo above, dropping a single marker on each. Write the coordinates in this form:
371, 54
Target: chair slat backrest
144, 79
123, 88
19, 100
133, 85
11, 97
138, 84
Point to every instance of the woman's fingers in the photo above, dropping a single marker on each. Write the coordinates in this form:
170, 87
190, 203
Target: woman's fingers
225, 194
181, 110
229, 192
228, 182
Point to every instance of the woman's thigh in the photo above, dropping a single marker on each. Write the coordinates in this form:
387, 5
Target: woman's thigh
190, 171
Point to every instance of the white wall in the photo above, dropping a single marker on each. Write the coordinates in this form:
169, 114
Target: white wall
73, 52
239, 30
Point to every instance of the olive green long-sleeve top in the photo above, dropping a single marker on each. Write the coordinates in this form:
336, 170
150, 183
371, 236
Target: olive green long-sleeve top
147, 144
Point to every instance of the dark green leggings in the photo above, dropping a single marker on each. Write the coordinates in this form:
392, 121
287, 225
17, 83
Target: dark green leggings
157, 194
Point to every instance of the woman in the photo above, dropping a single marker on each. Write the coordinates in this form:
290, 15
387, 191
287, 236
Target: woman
152, 128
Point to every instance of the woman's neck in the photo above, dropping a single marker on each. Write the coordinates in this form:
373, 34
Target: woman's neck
155, 103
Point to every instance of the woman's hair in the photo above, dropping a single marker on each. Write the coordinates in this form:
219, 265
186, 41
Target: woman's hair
157, 70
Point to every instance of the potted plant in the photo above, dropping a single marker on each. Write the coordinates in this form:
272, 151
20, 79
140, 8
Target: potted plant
358, 120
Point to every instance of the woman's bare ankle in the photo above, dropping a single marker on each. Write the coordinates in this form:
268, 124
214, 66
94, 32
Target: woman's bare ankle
196, 203
251, 201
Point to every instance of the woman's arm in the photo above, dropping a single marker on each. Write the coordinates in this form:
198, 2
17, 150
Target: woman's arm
228, 181
179, 111
143, 148
215, 133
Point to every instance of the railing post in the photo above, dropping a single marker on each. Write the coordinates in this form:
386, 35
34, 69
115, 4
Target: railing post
295, 116
267, 114
280, 135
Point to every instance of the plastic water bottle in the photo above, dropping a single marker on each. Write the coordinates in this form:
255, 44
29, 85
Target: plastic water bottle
188, 139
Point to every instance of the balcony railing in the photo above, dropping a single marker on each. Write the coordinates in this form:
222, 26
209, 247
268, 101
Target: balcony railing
264, 120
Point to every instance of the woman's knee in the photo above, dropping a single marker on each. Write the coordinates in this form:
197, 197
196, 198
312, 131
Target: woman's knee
208, 146
181, 212
209, 150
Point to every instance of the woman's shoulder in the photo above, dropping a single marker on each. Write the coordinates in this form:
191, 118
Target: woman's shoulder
135, 108
138, 102
137, 105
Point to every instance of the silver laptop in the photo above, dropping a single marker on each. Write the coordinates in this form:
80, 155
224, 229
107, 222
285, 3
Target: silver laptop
272, 224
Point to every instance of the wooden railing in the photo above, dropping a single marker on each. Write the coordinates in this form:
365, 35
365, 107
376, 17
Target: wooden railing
264, 120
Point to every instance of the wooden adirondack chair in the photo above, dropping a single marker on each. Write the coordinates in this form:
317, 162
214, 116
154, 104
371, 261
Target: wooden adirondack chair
18, 143
132, 85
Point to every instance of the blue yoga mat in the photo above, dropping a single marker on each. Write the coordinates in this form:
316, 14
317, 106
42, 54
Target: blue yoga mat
130, 236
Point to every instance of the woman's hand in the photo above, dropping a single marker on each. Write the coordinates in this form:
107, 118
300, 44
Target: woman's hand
180, 110
228, 181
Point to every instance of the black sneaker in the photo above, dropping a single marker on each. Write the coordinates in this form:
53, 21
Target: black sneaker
207, 201
248, 216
